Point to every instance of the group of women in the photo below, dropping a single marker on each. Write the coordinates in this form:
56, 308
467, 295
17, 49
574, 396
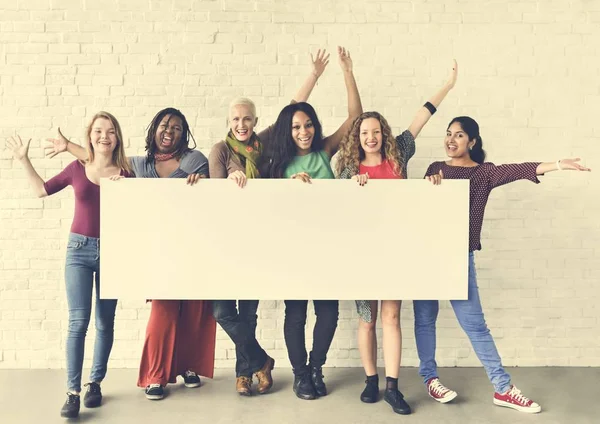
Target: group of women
180, 336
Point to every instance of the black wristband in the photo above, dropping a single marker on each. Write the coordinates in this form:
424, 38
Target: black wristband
431, 108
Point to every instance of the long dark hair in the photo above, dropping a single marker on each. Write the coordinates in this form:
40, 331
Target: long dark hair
471, 128
282, 149
183, 145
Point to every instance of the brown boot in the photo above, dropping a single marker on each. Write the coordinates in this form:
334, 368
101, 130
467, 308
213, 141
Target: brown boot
243, 385
265, 380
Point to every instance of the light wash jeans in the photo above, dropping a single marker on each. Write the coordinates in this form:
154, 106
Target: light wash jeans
471, 319
83, 260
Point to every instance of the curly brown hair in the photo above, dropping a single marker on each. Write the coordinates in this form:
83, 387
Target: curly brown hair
351, 152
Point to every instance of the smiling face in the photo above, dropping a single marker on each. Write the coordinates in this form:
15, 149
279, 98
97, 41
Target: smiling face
168, 134
242, 122
457, 142
371, 137
303, 131
103, 136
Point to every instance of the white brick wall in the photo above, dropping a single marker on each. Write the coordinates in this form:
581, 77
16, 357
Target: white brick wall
529, 73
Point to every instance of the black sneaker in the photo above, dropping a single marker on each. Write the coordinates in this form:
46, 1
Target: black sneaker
303, 387
397, 402
191, 379
93, 396
316, 376
155, 392
371, 392
71, 407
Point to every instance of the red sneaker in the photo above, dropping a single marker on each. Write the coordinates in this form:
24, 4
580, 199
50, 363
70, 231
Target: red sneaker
440, 392
515, 400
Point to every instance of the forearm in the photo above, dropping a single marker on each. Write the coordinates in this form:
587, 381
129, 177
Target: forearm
354, 104
307, 87
37, 183
546, 167
424, 114
78, 151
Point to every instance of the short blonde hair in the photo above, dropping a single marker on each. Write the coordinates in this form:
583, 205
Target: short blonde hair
242, 101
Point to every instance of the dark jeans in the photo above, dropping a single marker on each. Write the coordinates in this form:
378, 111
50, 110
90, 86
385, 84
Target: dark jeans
241, 329
294, 329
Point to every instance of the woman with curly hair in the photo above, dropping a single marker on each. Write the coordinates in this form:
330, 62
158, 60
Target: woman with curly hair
299, 150
371, 151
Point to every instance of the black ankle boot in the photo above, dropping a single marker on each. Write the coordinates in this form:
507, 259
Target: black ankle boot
316, 376
71, 407
303, 386
396, 400
371, 392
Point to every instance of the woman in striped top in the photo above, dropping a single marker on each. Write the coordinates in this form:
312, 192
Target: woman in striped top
464, 147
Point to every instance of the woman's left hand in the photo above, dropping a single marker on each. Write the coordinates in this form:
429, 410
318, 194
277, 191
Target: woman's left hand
572, 165
194, 178
436, 179
345, 59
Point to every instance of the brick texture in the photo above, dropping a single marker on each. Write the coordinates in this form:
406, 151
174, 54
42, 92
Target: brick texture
529, 74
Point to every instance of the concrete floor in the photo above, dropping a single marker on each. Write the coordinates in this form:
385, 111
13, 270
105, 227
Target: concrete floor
567, 396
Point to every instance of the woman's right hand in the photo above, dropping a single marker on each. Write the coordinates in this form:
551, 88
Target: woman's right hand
320, 63
436, 179
344, 59
302, 176
20, 151
362, 178
239, 177
115, 177
54, 146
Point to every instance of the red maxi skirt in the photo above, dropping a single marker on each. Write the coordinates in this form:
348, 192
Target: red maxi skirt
180, 336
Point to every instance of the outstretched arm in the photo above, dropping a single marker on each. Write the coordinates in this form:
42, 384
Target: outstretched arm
318, 67
21, 153
354, 104
560, 165
54, 146
423, 115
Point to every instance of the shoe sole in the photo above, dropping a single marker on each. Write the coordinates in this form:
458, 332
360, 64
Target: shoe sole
155, 397
368, 400
445, 399
527, 410
245, 393
400, 411
69, 415
92, 405
192, 385
305, 397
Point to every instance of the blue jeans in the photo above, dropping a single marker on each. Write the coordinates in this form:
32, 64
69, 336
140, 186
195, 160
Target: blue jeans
83, 260
470, 316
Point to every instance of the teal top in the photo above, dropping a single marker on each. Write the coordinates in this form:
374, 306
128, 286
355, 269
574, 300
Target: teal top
315, 164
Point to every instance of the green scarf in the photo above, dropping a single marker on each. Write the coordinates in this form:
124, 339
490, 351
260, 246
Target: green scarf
250, 151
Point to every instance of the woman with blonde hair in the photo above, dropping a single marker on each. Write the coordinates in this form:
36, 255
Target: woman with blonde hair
370, 151
106, 158
237, 158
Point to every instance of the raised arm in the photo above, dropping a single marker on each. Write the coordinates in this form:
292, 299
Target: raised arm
54, 146
354, 105
318, 67
560, 165
21, 153
425, 112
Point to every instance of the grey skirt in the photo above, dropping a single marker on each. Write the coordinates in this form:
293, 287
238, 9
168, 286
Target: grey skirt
363, 308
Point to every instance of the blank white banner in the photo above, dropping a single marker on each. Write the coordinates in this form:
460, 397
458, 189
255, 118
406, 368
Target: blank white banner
284, 239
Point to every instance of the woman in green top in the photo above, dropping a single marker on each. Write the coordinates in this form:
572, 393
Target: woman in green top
298, 150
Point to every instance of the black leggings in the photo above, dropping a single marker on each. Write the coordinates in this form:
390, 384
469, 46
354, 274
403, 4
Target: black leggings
294, 329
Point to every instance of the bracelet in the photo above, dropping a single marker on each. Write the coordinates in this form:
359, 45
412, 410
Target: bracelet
558, 165
431, 108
